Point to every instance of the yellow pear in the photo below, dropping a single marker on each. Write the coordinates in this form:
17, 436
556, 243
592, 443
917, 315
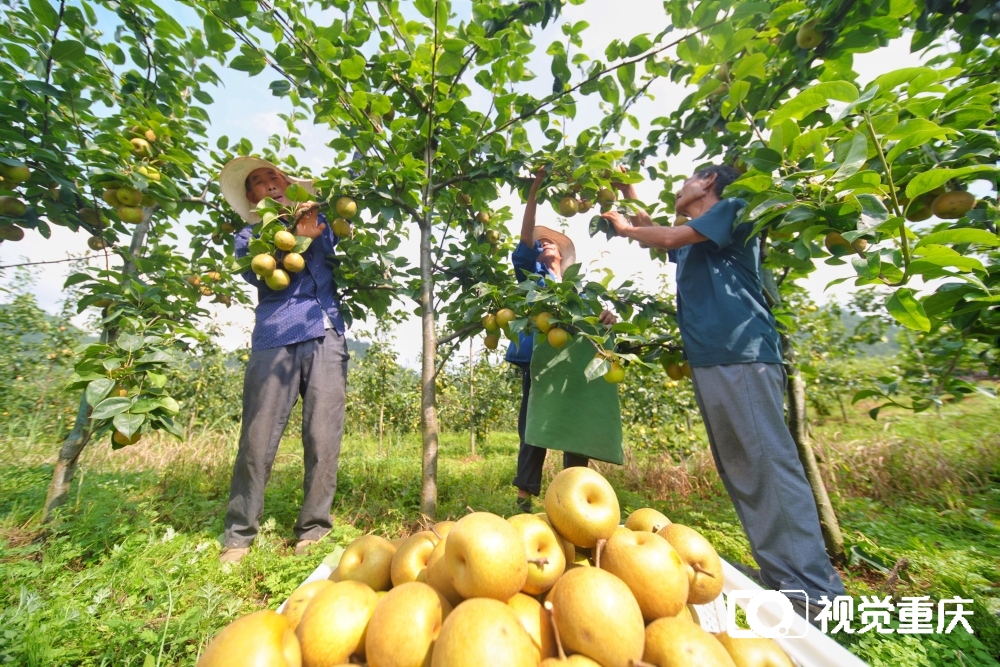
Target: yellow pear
569, 549
404, 626
569, 661
704, 567
646, 519
536, 622
368, 559
677, 642
410, 559
438, 576
482, 631
262, 638
485, 556
333, 626
546, 559
300, 598
597, 615
651, 568
582, 506
754, 651
442, 528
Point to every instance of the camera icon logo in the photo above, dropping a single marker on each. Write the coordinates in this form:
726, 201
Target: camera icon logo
769, 614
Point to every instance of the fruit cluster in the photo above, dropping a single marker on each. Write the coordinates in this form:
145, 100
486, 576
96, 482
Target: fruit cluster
567, 587
11, 206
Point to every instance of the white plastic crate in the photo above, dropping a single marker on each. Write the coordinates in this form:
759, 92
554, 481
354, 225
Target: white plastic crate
811, 649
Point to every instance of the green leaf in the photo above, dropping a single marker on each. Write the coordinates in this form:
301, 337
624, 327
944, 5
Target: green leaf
98, 390
764, 159
856, 157
750, 66
302, 244
297, 193
597, 367
963, 235
68, 51
128, 424
935, 178
353, 68
45, 13
906, 310
130, 342
170, 404
110, 407
797, 108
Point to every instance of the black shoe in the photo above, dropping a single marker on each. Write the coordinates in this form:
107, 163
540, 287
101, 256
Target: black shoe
807, 611
524, 505
751, 573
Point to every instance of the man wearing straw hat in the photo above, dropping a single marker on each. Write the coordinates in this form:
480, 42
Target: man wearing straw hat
548, 253
298, 349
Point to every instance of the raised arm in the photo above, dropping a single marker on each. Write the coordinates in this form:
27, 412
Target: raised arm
528, 224
639, 218
663, 238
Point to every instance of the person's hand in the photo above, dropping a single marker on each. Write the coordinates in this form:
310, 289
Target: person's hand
307, 221
608, 318
617, 221
539, 177
618, 185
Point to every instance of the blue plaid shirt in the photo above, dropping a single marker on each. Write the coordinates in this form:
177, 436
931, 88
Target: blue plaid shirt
296, 313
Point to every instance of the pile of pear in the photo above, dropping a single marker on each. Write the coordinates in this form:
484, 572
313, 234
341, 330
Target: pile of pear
569, 587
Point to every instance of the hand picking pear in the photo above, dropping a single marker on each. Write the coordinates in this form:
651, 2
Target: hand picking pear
368, 559
545, 557
410, 559
754, 651
404, 626
597, 615
482, 631
262, 638
702, 560
651, 568
677, 642
300, 598
646, 519
485, 556
536, 622
582, 506
333, 627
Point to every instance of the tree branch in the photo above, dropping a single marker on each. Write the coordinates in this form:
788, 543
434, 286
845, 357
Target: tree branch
459, 333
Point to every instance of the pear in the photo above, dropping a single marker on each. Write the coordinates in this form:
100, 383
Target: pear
646, 519
410, 559
557, 337
546, 559
283, 239
703, 563
262, 638
263, 264
368, 559
482, 631
485, 556
536, 622
300, 598
442, 528
438, 576
754, 651
582, 506
677, 642
651, 568
346, 207
597, 615
334, 624
404, 626
570, 661
569, 549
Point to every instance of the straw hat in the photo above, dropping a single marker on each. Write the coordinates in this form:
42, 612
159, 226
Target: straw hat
563, 242
232, 182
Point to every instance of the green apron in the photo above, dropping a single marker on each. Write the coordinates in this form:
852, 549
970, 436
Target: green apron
567, 413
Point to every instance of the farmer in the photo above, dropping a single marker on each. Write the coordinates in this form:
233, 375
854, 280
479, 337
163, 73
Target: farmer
298, 349
734, 350
548, 253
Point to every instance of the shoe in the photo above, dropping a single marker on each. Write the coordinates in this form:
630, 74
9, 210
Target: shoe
524, 505
808, 611
302, 546
233, 554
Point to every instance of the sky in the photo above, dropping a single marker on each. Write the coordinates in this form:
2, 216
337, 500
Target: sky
244, 107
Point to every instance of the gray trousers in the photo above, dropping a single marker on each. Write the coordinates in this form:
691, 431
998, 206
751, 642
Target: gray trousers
316, 370
742, 406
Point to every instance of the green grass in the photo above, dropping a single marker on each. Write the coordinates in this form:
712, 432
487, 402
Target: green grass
127, 571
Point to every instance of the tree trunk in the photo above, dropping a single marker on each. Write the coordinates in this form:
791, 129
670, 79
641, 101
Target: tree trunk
428, 397
472, 405
797, 424
79, 437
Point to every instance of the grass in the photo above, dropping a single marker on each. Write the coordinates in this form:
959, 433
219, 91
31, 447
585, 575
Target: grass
127, 574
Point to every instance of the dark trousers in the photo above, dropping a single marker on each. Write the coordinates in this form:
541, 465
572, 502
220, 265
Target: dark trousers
316, 370
530, 459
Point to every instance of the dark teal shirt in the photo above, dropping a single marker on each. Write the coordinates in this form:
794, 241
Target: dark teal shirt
721, 310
